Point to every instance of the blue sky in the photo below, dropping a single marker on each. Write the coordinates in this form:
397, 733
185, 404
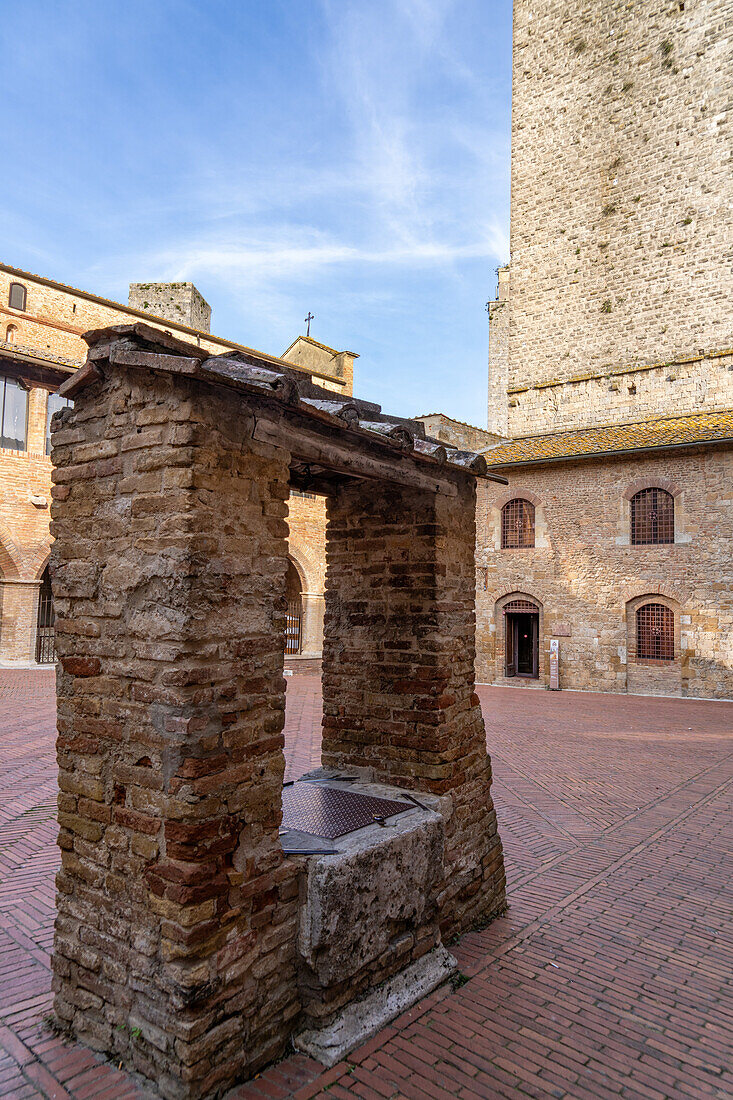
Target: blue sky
347, 157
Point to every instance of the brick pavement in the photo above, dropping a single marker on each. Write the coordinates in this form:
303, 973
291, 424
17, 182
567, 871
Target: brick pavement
610, 976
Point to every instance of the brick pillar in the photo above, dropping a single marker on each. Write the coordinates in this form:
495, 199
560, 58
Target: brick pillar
18, 615
175, 934
312, 624
398, 669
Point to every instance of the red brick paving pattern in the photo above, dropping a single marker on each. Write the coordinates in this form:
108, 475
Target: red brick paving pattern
610, 976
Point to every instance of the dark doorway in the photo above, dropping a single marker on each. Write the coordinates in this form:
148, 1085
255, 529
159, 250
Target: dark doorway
45, 631
522, 628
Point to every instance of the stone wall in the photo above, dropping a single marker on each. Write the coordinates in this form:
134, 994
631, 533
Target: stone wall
398, 670
701, 384
456, 433
498, 310
621, 223
587, 578
175, 934
620, 216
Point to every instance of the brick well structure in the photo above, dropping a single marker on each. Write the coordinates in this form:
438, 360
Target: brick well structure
175, 943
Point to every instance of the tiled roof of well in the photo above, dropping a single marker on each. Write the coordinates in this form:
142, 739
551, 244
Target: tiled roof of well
613, 438
277, 385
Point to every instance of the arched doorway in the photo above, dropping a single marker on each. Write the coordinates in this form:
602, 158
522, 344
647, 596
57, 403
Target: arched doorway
293, 625
522, 633
45, 630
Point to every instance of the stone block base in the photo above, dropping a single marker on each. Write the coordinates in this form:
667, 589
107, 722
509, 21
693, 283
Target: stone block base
359, 1020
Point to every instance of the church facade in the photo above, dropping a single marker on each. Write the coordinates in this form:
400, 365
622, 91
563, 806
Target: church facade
41, 327
607, 563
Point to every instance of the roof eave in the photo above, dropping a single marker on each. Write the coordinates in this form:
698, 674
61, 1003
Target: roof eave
619, 453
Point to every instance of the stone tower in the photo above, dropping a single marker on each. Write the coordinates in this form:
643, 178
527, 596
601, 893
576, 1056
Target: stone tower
621, 215
179, 302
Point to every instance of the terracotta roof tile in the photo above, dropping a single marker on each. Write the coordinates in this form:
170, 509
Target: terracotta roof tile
643, 435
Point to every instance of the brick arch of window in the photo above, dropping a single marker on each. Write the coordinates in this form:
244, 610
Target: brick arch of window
655, 630
17, 296
518, 524
652, 517
10, 333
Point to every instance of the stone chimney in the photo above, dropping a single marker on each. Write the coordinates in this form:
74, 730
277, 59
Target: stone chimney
180, 303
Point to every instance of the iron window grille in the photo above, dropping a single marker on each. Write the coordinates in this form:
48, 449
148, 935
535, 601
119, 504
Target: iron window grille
655, 632
45, 628
293, 627
17, 296
517, 525
652, 518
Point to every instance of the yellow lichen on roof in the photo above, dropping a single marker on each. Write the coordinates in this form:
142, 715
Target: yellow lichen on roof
640, 436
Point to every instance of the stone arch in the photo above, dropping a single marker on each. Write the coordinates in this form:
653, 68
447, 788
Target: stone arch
642, 483
669, 593
304, 566
516, 493
517, 594
311, 600
10, 555
500, 628
39, 561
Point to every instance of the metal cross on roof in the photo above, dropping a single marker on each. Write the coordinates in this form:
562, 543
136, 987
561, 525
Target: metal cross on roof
308, 320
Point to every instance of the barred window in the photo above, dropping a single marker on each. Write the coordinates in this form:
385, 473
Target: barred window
652, 517
17, 296
517, 525
655, 632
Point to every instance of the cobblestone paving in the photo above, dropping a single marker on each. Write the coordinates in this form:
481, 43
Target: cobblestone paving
610, 976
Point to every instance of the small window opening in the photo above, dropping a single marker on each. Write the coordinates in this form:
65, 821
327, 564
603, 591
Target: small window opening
10, 334
17, 296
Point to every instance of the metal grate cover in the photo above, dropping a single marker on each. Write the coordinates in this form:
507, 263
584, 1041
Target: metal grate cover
330, 811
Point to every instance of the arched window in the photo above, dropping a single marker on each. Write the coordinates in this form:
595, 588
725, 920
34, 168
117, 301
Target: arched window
652, 517
17, 296
10, 333
655, 632
517, 525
